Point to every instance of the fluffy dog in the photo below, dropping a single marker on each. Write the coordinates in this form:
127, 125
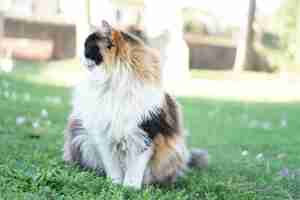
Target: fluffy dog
123, 123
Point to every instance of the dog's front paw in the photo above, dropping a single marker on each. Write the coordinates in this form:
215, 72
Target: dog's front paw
116, 180
132, 184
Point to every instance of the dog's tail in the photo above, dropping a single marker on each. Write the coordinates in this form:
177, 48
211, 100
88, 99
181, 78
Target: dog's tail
199, 158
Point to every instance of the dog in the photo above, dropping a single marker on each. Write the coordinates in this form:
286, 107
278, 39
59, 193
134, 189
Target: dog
123, 124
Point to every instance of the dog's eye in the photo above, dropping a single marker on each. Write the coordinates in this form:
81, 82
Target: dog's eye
107, 42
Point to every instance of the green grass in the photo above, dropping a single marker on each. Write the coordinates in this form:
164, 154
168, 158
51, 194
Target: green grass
31, 165
231, 75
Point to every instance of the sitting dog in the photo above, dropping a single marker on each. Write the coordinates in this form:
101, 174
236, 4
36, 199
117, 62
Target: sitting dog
123, 123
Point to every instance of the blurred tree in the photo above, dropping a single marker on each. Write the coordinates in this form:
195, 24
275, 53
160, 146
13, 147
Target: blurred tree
89, 14
82, 24
245, 50
164, 27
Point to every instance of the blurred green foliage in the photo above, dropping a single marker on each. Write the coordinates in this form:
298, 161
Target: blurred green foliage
192, 22
286, 25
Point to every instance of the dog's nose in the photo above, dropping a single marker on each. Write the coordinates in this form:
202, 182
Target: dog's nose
93, 53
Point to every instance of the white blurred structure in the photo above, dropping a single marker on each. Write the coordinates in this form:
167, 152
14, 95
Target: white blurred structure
90, 13
6, 61
163, 24
5, 5
6, 64
164, 27
233, 12
101, 9
82, 25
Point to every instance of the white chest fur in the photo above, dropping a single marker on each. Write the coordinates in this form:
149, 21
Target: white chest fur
111, 106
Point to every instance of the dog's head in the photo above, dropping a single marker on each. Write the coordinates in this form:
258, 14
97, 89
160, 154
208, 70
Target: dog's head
108, 45
113, 49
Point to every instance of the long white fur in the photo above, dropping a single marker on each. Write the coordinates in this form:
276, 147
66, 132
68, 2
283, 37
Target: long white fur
136, 169
110, 106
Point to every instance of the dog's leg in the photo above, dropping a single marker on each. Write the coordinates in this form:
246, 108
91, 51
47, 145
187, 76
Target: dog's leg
79, 149
136, 169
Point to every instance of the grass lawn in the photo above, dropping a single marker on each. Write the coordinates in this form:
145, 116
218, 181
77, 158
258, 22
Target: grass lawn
231, 75
254, 148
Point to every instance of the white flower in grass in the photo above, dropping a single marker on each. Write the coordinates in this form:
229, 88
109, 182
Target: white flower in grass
6, 64
20, 120
36, 124
57, 100
267, 125
6, 94
27, 97
283, 123
260, 156
285, 172
281, 156
254, 124
14, 96
49, 123
245, 153
54, 100
211, 114
245, 117
44, 113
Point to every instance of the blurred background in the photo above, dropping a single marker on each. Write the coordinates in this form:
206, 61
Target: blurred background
234, 66
198, 39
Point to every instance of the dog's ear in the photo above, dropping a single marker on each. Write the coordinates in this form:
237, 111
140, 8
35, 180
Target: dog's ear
106, 28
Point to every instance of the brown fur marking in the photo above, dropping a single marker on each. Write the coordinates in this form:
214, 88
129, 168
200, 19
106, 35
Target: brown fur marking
168, 161
143, 60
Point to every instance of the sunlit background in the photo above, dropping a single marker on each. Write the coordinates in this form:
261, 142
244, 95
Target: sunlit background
233, 64
199, 41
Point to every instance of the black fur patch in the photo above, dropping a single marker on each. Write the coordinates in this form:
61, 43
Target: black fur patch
156, 123
92, 50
